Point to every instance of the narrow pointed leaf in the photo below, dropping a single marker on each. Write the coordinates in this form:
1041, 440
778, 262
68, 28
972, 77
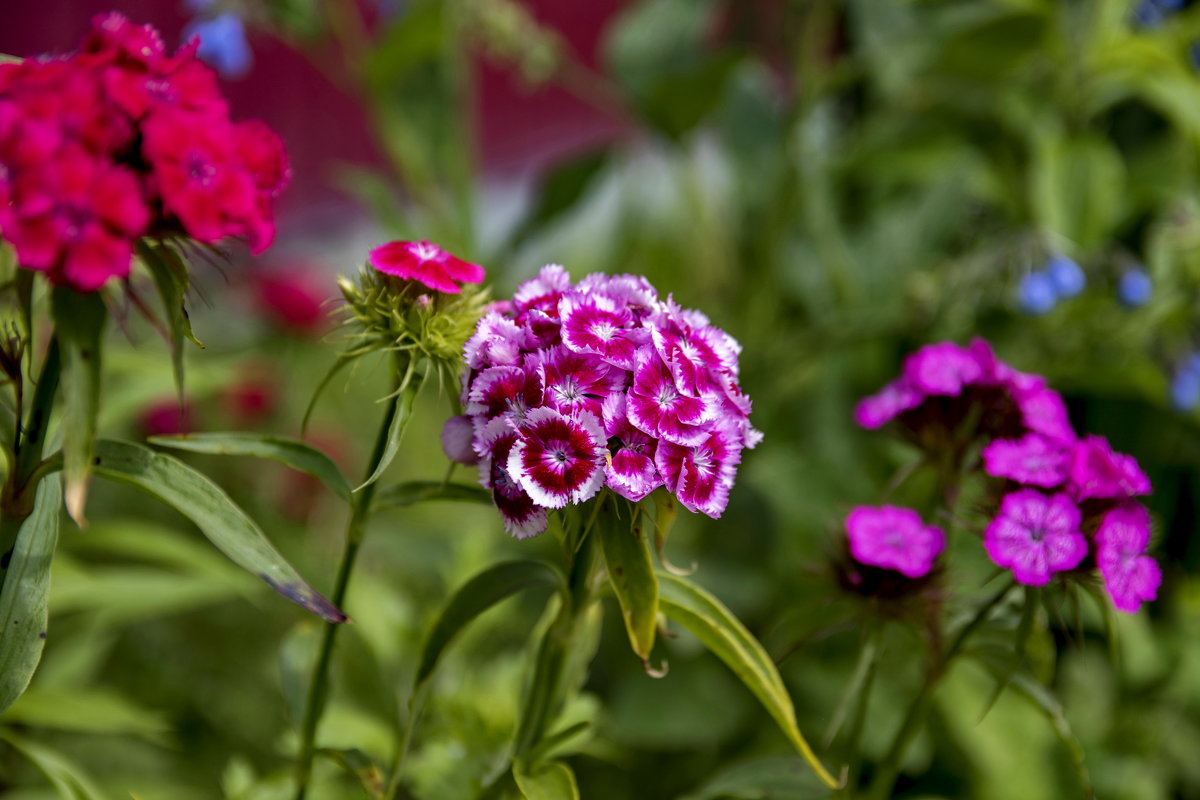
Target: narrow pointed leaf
721, 632
67, 777
403, 495
217, 516
553, 780
631, 573
79, 325
334, 369
476, 596
396, 428
291, 452
23, 599
775, 777
171, 277
360, 767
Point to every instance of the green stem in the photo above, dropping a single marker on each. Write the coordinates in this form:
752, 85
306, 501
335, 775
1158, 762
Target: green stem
889, 770
318, 690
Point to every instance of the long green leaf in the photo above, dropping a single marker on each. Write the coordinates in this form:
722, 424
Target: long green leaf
23, 599
79, 325
476, 596
359, 766
171, 277
721, 632
631, 573
217, 516
292, 452
403, 495
67, 777
553, 780
396, 428
768, 777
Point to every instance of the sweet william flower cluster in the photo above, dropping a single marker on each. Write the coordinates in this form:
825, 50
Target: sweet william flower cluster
574, 387
121, 140
1062, 503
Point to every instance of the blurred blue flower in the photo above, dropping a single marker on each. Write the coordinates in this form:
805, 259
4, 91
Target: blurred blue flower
222, 44
1066, 275
1185, 389
1134, 288
1036, 293
1148, 14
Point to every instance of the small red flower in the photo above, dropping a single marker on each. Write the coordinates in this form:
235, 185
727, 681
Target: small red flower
426, 263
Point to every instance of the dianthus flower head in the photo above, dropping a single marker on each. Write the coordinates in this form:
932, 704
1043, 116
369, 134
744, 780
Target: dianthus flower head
895, 538
601, 383
1130, 576
427, 264
1032, 460
1036, 535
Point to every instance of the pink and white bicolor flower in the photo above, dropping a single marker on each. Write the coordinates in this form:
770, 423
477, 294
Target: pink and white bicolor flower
510, 391
702, 476
659, 408
558, 459
597, 324
631, 469
573, 382
522, 517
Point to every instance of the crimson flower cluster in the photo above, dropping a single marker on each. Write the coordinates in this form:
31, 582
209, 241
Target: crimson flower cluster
121, 140
1064, 503
572, 388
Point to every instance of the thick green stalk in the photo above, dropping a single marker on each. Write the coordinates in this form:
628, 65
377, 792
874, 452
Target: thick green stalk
318, 690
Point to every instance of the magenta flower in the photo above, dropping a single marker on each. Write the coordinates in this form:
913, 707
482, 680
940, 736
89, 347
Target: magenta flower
557, 459
697, 357
510, 391
427, 264
597, 324
894, 538
543, 292
1036, 535
631, 469
496, 341
1130, 576
573, 382
1033, 460
942, 369
659, 408
1042, 409
522, 517
1098, 472
890, 402
701, 476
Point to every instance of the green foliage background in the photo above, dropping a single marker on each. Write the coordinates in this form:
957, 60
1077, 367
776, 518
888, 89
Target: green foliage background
866, 178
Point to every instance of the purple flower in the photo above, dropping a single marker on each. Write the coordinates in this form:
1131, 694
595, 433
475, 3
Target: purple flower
1036, 535
1130, 576
1098, 472
894, 538
942, 369
510, 391
557, 459
496, 342
1042, 409
631, 470
1033, 460
890, 402
543, 292
458, 434
659, 408
697, 357
574, 382
701, 476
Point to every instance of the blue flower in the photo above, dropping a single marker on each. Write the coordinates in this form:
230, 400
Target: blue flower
1066, 275
1134, 288
1036, 293
1185, 388
222, 44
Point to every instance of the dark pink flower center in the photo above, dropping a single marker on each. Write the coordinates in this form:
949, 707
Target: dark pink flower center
199, 169
76, 218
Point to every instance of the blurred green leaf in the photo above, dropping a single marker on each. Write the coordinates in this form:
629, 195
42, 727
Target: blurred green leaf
553, 780
721, 632
92, 710
559, 190
217, 516
359, 766
71, 782
291, 452
473, 598
765, 778
1077, 188
631, 573
23, 597
401, 415
79, 326
403, 495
